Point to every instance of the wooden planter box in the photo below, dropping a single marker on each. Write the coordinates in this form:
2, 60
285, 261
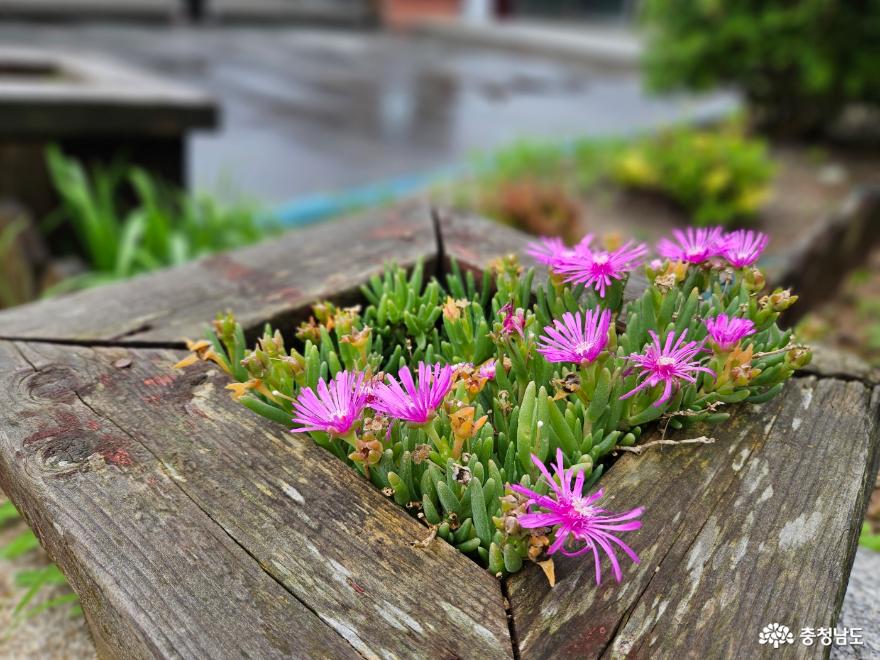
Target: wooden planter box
192, 528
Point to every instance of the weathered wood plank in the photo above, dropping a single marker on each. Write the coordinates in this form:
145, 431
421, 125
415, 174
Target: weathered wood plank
59, 93
817, 265
322, 531
759, 527
833, 362
274, 281
156, 576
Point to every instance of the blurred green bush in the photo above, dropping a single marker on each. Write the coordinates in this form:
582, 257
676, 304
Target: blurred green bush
799, 63
715, 175
718, 176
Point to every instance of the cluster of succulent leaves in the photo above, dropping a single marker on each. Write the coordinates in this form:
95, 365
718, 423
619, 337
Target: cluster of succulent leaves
456, 483
718, 176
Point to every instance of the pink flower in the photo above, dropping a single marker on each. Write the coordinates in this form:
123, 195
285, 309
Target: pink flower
668, 364
597, 268
414, 403
576, 339
726, 331
743, 248
333, 409
514, 321
487, 369
549, 250
693, 245
576, 519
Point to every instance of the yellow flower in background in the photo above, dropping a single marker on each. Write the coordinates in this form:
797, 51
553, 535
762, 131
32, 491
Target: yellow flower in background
633, 168
716, 180
752, 199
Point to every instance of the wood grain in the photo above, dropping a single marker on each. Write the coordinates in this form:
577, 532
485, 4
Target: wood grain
334, 541
155, 575
274, 281
757, 528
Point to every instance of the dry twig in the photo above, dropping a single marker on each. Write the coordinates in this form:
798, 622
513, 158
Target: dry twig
784, 349
638, 449
425, 542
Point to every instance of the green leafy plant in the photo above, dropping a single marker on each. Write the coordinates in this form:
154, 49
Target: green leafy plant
497, 395
161, 227
798, 63
868, 539
17, 284
524, 159
718, 176
33, 581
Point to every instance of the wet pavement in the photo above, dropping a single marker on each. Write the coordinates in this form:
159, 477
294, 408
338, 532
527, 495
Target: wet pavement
312, 110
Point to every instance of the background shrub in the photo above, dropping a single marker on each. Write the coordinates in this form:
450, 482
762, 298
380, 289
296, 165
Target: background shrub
799, 63
719, 176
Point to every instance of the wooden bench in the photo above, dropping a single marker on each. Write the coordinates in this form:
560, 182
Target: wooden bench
192, 528
96, 110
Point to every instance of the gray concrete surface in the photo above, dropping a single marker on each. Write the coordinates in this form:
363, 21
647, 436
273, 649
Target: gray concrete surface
590, 44
310, 110
861, 607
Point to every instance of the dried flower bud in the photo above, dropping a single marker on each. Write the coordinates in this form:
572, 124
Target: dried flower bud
779, 300
254, 365
366, 451
504, 404
507, 266
665, 282
309, 331
537, 544
754, 279
324, 312
741, 375
295, 362
461, 474
224, 326
511, 525
358, 338
421, 453
452, 308
798, 358
569, 384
